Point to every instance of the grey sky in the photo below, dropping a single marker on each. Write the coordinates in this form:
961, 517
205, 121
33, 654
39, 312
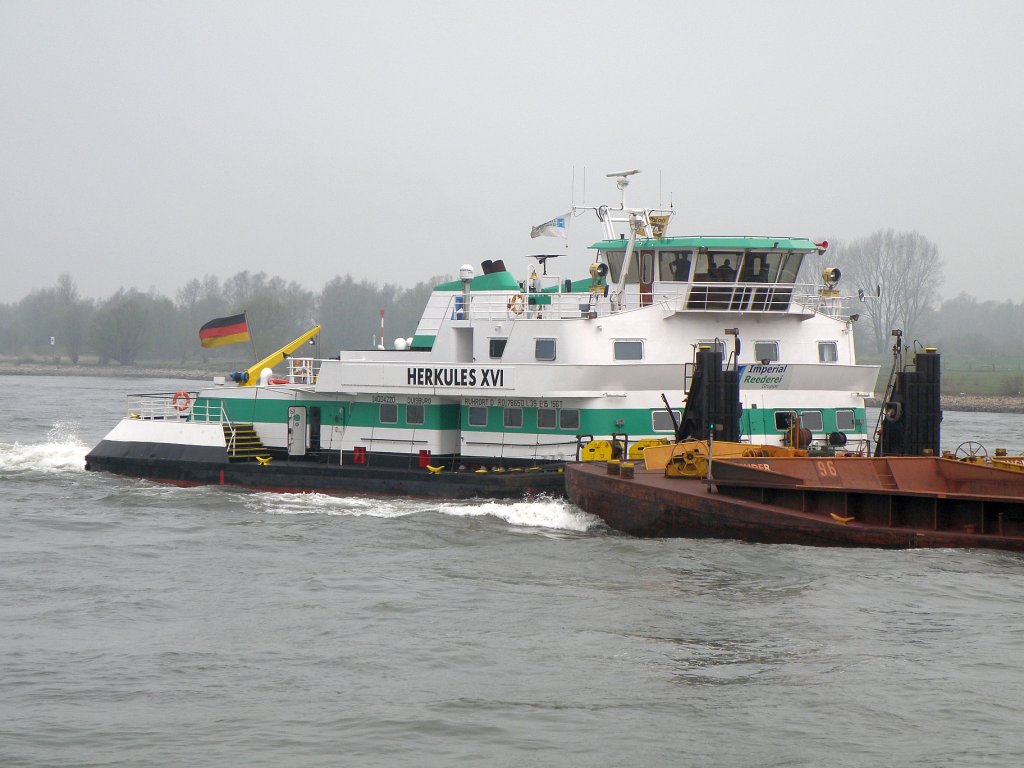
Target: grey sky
144, 143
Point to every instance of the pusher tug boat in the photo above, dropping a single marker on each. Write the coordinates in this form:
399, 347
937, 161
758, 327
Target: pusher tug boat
505, 378
817, 496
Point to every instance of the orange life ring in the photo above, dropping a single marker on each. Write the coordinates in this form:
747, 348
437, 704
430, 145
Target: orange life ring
181, 400
516, 304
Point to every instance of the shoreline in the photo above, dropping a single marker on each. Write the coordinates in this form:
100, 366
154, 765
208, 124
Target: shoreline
957, 402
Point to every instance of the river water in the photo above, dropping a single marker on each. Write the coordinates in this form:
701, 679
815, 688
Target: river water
144, 625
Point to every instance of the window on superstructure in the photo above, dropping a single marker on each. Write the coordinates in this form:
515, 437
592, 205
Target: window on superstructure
513, 418
477, 416
811, 420
784, 420
544, 349
828, 352
415, 414
388, 413
615, 266
632, 349
714, 344
569, 418
497, 347
766, 351
662, 422
845, 419
547, 418
790, 267
674, 266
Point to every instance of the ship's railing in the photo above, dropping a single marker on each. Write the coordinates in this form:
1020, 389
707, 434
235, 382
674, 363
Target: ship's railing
303, 370
182, 405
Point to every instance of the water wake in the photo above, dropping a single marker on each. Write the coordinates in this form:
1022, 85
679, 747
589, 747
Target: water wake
542, 512
62, 451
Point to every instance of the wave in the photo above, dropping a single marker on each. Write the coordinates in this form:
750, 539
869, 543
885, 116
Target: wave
542, 512
62, 451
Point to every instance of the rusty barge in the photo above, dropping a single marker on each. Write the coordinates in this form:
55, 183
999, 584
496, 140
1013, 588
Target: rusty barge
906, 495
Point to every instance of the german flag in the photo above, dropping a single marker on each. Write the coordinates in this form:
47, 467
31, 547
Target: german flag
224, 330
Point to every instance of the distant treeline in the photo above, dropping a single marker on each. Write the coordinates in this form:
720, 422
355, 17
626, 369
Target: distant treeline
145, 326
134, 326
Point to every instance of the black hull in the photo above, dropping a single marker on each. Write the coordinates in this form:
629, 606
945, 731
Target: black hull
296, 476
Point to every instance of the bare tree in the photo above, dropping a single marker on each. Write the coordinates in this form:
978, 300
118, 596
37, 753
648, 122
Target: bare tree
898, 275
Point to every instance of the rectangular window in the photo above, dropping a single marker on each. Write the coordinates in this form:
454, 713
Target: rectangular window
388, 413
513, 418
497, 347
811, 420
569, 418
629, 350
662, 422
766, 351
712, 344
477, 416
544, 349
674, 265
828, 352
845, 421
415, 414
783, 419
547, 418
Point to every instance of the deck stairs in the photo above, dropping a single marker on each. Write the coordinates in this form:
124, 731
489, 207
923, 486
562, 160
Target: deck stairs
243, 442
885, 476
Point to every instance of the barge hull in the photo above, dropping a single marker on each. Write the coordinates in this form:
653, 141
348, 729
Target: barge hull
651, 505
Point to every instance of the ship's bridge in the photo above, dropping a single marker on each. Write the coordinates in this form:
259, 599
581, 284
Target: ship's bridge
739, 274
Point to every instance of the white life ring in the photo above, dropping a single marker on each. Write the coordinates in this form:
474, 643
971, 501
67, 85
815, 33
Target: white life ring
516, 304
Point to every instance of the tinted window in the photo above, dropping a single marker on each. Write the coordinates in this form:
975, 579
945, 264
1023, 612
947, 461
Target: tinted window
388, 413
513, 418
811, 420
546, 418
845, 420
629, 350
497, 347
477, 416
545, 349
569, 418
662, 422
414, 414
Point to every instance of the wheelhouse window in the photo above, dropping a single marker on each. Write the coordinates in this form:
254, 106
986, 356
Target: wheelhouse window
388, 413
614, 259
674, 266
845, 419
629, 349
477, 416
496, 347
790, 267
662, 422
717, 266
811, 420
544, 349
766, 351
415, 414
513, 418
828, 352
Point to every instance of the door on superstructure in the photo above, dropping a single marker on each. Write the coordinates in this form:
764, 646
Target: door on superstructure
314, 428
297, 430
646, 278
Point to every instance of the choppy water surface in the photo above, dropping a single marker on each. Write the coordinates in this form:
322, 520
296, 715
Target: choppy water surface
146, 625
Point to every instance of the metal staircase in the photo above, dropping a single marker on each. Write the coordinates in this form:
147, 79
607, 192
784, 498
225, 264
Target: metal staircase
243, 444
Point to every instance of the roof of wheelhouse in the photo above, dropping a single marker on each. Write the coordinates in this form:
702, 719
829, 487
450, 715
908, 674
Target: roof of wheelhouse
723, 243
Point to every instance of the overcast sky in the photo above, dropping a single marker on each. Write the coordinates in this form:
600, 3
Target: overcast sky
144, 143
